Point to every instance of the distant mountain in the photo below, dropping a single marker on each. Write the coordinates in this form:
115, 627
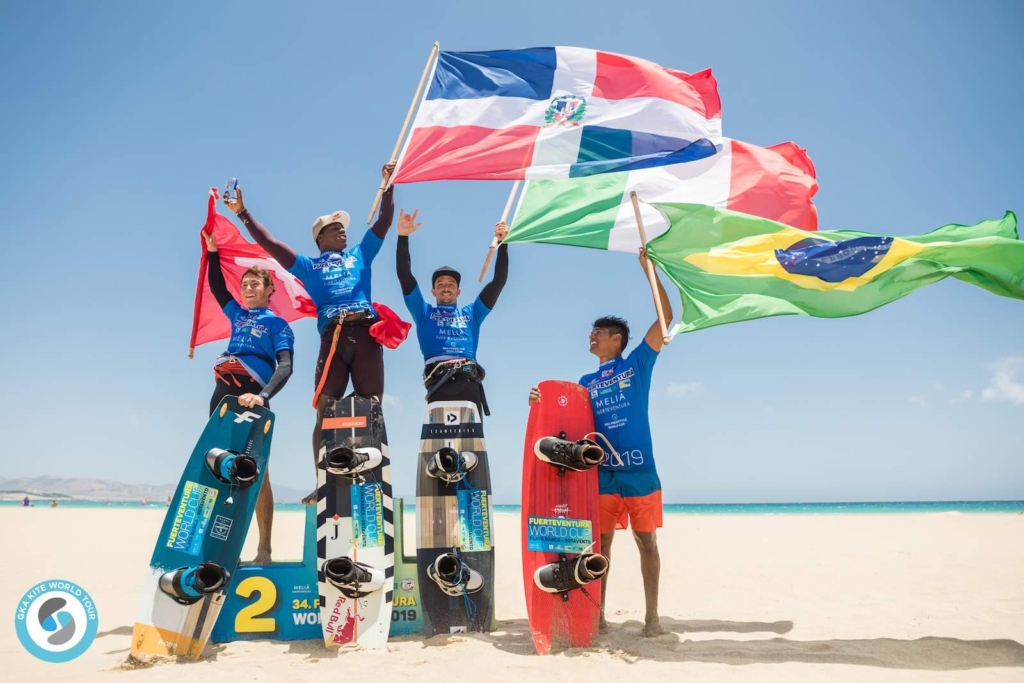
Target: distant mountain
103, 489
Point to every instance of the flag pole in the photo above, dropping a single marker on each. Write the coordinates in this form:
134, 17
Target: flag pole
203, 265
405, 127
494, 240
652, 278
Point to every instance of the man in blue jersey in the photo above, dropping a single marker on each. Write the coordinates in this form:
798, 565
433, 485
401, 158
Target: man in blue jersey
448, 333
338, 281
257, 363
630, 491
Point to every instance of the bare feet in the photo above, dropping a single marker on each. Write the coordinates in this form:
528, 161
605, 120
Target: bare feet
652, 627
310, 499
262, 557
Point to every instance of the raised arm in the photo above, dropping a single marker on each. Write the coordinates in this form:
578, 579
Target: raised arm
654, 337
387, 205
489, 294
407, 225
214, 274
280, 251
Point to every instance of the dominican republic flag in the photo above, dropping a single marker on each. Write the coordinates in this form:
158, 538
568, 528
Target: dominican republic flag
557, 112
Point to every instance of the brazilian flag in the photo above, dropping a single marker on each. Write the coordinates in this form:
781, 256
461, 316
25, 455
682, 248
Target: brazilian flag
731, 266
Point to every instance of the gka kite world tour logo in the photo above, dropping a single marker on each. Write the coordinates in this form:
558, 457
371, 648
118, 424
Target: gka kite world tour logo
56, 621
566, 110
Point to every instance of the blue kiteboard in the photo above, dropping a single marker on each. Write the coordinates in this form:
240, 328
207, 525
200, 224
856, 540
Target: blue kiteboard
200, 542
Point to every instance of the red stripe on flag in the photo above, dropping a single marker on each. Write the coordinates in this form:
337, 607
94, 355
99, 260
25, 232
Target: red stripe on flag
777, 182
467, 153
797, 156
619, 77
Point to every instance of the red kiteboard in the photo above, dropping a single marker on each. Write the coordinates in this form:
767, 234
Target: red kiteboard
561, 516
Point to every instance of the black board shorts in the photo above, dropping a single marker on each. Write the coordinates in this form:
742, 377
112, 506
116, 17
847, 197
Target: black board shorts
248, 386
358, 356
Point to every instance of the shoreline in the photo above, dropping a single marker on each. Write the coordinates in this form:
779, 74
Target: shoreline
670, 509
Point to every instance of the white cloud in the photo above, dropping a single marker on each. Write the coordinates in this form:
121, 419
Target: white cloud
918, 400
392, 400
1003, 385
937, 386
684, 388
966, 396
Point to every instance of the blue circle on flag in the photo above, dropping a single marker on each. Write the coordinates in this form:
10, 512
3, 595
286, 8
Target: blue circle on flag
833, 261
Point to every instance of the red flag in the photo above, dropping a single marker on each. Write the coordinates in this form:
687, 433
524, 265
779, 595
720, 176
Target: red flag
389, 330
290, 300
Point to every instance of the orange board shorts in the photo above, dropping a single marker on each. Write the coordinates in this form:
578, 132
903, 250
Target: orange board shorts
630, 500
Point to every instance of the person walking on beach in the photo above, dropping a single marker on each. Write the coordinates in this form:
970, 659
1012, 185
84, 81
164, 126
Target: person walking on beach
449, 335
256, 365
630, 490
338, 281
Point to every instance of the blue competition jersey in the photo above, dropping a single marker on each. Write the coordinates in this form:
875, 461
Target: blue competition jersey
446, 331
256, 336
338, 281
619, 394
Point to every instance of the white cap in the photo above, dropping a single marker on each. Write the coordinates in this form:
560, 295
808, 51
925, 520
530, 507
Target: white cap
336, 217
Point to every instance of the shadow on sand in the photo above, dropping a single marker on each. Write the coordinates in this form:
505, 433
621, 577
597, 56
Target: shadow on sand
624, 640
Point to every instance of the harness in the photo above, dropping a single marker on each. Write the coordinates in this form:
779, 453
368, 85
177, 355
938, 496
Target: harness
435, 375
229, 370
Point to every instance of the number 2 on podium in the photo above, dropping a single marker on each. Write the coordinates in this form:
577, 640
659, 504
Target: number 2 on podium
250, 618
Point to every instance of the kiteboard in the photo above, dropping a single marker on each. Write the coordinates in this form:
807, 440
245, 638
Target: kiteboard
562, 565
355, 525
201, 538
454, 539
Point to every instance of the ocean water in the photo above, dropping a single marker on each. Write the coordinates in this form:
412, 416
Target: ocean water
896, 507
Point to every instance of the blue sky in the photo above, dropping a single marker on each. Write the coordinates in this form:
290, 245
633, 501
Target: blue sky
119, 116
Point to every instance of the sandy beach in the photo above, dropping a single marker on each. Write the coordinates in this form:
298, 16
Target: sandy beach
914, 597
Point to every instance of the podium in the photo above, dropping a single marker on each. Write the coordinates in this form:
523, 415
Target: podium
406, 614
281, 601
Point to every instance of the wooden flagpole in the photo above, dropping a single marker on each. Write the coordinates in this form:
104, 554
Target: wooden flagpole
203, 265
651, 277
405, 127
494, 240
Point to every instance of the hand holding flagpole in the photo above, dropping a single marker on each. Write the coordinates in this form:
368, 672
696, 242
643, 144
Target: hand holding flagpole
504, 219
649, 267
405, 126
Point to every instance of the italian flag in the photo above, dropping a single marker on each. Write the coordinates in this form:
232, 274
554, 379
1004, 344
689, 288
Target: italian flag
774, 182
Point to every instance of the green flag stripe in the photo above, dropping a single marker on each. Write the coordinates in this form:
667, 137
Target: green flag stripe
552, 211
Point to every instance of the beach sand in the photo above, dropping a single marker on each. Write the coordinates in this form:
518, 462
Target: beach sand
911, 597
